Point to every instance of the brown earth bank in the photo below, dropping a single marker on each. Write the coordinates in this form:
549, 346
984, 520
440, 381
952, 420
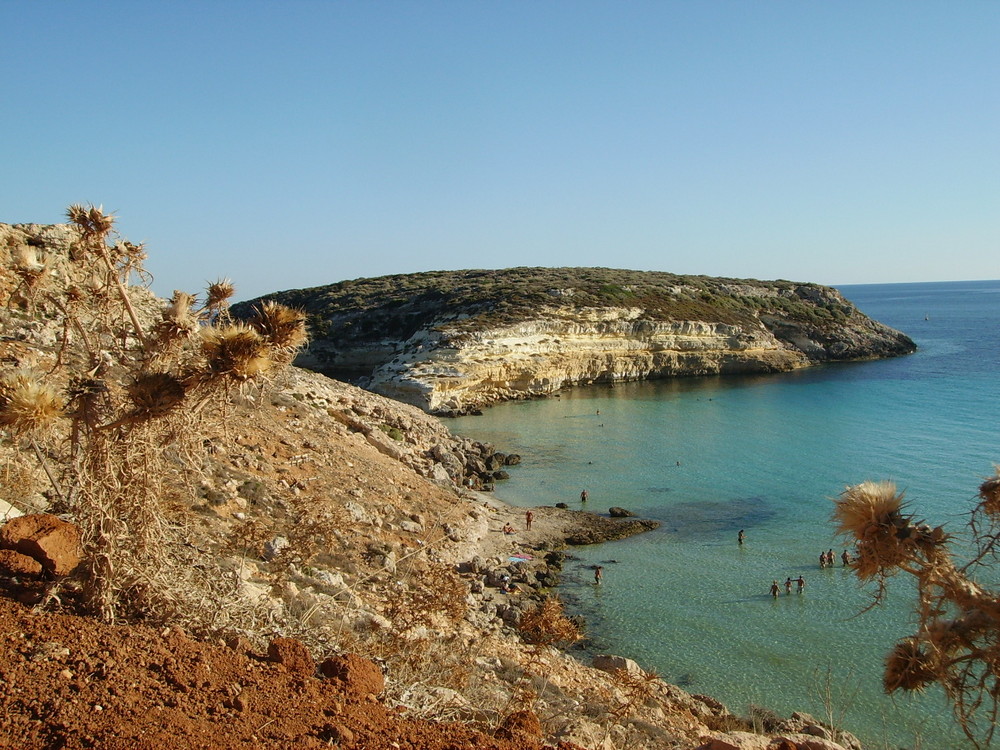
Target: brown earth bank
71, 682
292, 507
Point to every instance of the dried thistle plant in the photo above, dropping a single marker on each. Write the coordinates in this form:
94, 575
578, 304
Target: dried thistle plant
117, 394
28, 406
233, 351
637, 690
283, 327
957, 640
178, 324
219, 294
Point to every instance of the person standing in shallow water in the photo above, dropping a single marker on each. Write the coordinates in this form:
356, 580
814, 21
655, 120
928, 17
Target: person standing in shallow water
598, 574
740, 537
583, 496
802, 584
774, 589
788, 585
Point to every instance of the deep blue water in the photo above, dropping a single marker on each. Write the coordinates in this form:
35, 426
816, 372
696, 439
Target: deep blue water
710, 456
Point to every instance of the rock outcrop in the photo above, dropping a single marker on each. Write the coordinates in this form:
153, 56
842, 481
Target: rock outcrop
455, 342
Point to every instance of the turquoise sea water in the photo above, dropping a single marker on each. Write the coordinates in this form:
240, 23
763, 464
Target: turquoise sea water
710, 456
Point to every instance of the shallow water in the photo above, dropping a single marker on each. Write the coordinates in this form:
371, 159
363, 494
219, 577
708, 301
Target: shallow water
710, 456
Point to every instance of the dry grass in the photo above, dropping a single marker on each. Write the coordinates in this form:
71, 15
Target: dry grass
547, 625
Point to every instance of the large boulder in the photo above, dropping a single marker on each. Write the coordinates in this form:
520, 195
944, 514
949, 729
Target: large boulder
54, 543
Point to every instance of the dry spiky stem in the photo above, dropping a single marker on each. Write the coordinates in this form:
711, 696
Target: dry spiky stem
28, 406
95, 225
86, 395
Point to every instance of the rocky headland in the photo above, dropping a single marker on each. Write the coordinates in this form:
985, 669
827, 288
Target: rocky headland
454, 342
352, 588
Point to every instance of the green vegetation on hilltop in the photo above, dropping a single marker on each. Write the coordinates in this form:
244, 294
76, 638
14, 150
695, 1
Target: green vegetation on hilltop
463, 301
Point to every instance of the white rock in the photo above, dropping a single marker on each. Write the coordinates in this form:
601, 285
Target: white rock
610, 663
8, 511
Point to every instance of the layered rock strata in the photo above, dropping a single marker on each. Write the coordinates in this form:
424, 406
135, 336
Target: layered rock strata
455, 342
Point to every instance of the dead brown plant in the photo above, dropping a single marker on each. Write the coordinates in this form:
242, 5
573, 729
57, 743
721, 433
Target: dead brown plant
957, 640
122, 388
547, 625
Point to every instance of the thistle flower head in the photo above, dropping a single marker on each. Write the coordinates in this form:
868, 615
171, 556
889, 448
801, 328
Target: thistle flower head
178, 322
27, 261
155, 394
180, 306
989, 493
27, 405
907, 667
91, 220
283, 327
219, 293
235, 351
864, 509
870, 512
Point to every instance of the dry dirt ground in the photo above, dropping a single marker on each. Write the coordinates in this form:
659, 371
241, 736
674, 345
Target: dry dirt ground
70, 682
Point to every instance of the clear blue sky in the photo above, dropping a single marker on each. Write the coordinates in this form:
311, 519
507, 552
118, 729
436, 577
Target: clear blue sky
292, 144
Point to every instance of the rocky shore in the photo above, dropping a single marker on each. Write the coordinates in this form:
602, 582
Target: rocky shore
355, 589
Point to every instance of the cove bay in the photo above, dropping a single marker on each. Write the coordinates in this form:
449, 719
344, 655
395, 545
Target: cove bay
710, 456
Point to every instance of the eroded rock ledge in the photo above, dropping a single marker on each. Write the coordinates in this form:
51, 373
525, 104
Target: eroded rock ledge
455, 342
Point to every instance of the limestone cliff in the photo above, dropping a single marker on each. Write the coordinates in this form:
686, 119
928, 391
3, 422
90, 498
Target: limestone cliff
453, 342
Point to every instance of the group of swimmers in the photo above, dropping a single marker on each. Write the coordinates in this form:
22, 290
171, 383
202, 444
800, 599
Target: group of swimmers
800, 582
826, 559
